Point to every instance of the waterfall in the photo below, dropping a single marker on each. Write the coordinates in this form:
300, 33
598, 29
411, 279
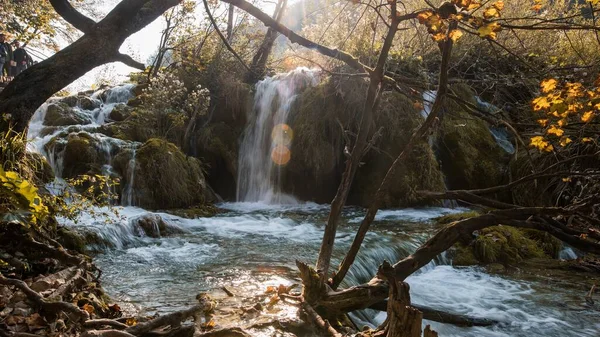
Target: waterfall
266, 143
128, 199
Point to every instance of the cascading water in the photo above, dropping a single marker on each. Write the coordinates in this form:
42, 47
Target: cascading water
128, 197
253, 245
267, 140
91, 116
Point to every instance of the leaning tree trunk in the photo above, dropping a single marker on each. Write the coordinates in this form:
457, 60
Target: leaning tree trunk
99, 45
259, 61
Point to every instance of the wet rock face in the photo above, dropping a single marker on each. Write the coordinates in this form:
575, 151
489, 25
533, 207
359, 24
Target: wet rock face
120, 113
319, 119
165, 178
154, 226
471, 158
61, 114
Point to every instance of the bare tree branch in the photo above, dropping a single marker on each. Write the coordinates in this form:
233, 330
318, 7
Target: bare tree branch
73, 16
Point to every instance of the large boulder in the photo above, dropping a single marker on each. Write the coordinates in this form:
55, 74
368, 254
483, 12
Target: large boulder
77, 152
155, 226
318, 120
166, 178
61, 114
471, 158
120, 112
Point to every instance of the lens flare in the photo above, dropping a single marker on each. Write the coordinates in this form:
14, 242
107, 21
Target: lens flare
281, 155
282, 134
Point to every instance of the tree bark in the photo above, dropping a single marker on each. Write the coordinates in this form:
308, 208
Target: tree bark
99, 45
230, 23
391, 173
375, 82
259, 61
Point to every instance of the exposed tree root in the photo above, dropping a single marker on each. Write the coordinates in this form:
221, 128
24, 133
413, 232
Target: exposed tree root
98, 323
49, 309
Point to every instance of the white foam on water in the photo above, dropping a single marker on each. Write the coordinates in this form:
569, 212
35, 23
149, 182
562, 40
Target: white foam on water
413, 214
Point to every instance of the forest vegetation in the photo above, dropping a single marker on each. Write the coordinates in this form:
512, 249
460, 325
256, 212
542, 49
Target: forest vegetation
491, 106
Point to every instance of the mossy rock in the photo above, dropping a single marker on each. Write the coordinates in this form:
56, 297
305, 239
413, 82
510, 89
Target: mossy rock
548, 243
398, 118
72, 240
154, 226
470, 156
319, 119
81, 156
464, 256
506, 245
70, 101
448, 218
61, 114
205, 211
87, 103
120, 112
165, 178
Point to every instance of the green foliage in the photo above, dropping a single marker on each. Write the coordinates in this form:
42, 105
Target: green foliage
91, 194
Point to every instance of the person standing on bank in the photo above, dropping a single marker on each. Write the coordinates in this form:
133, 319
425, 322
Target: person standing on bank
20, 57
6, 57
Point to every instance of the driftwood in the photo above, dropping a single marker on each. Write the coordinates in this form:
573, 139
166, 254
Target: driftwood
318, 321
173, 320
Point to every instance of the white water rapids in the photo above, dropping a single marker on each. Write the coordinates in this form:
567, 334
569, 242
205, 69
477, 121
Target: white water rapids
252, 245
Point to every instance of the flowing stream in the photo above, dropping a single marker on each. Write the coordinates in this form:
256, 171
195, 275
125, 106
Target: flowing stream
253, 244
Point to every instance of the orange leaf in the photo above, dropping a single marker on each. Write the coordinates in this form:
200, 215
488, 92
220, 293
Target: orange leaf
587, 116
499, 5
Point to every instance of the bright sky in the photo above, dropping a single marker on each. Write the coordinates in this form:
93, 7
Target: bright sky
140, 46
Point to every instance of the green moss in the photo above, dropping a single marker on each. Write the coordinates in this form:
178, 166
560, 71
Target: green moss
325, 116
463, 256
548, 243
506, 245
446, 219
71, 240
165, 178
470, 156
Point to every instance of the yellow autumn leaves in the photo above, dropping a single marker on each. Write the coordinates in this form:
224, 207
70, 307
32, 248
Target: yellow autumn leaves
25, 193
437, 25
563, 104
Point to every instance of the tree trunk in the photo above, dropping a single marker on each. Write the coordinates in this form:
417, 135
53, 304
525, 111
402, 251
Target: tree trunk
259, 61
98, 46
230, 23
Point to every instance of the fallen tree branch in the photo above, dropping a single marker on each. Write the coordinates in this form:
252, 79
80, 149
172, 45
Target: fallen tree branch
48, 308
442, 316
98, 323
